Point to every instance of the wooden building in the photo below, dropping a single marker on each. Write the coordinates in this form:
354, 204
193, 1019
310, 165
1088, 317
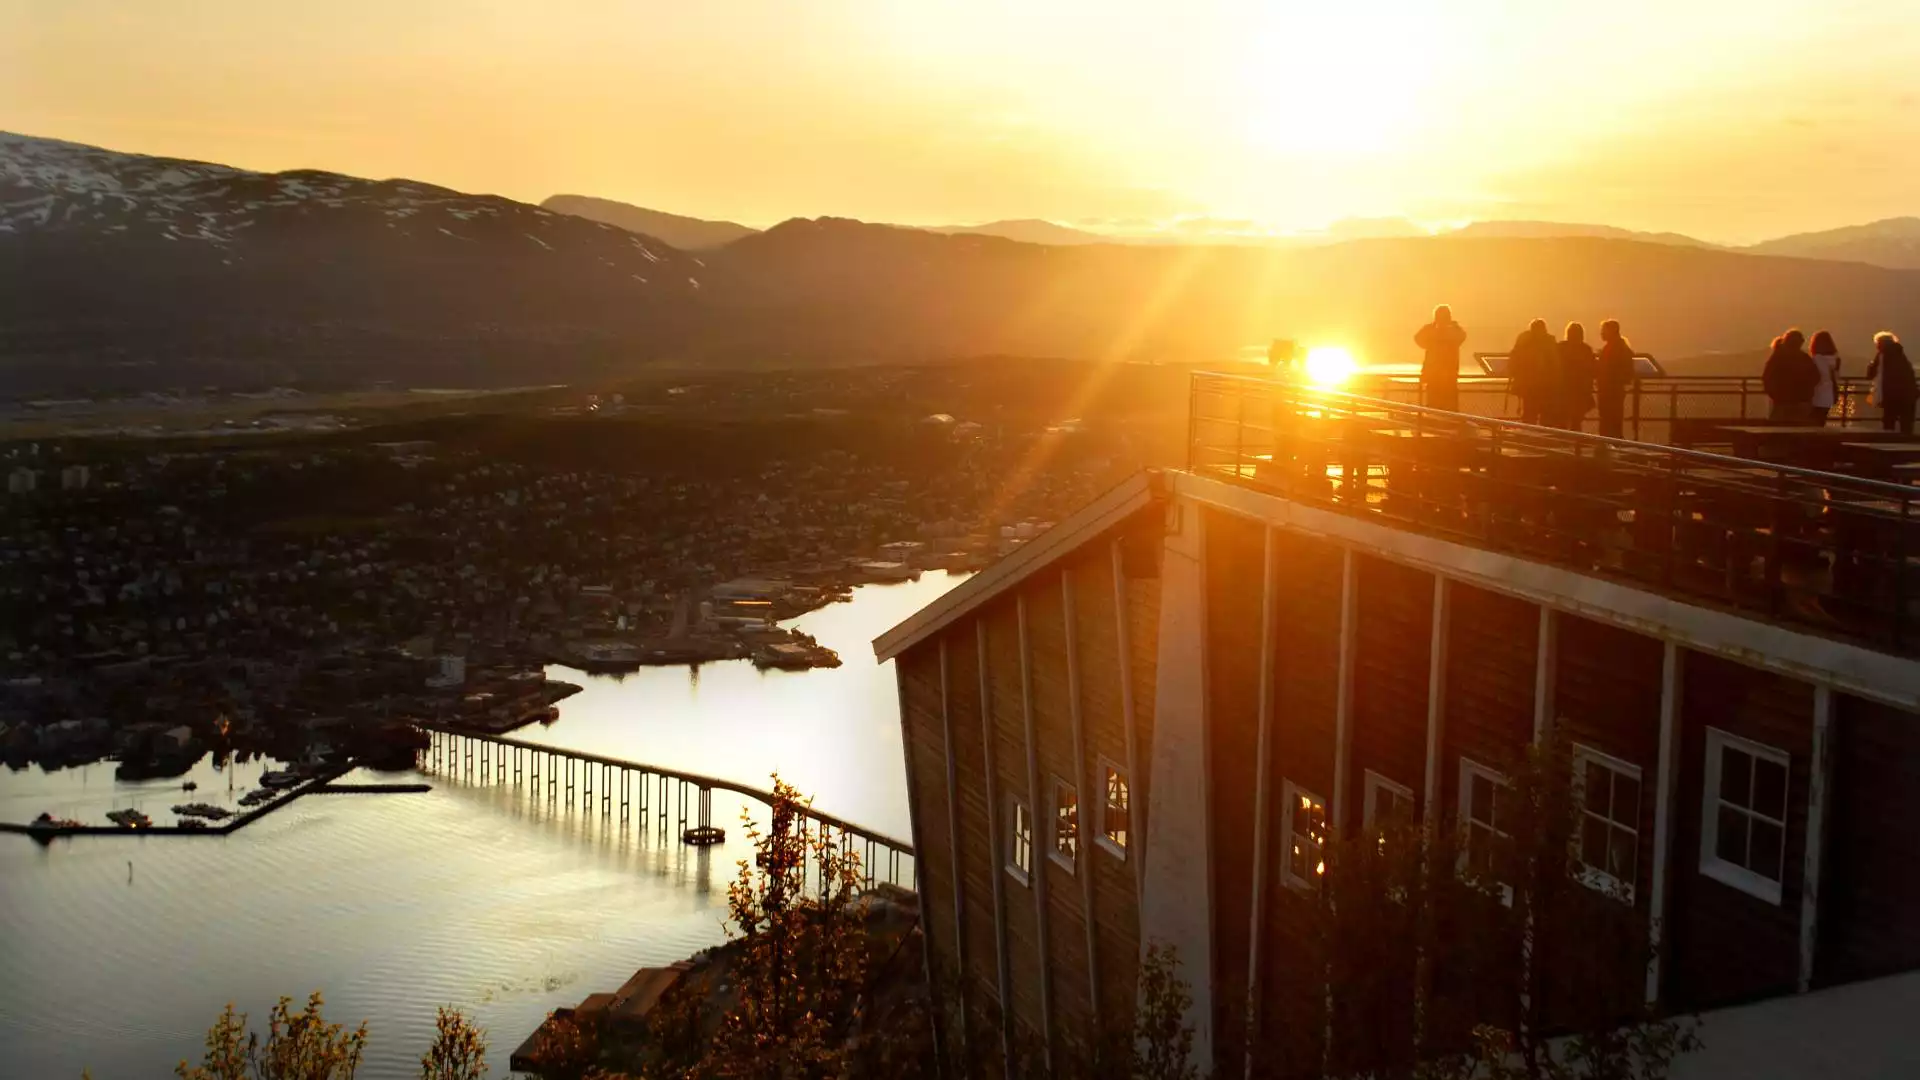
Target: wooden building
1112, 733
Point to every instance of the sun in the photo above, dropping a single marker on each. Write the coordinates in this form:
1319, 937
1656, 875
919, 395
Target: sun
1330, 365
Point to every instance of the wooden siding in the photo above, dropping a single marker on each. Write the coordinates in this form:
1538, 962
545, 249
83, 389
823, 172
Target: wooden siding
1392, 649
919, 675
1234, 580
1607, 697
1306, 664
1869, 924
1728, 946
1116, 910
1493, 642
1005, 701
1053, 731
975, 859
1143, 639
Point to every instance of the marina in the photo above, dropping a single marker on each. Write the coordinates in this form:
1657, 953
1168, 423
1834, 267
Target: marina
481, 895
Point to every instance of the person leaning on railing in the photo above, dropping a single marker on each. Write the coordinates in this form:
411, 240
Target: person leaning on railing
1790, 379
1576, 372
1615, 377
1530, 368
1894, 388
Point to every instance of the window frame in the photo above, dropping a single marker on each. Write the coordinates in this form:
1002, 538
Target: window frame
1591, 875
1375, 782
1018, 812
1290, 796
1062, 859
1733, 875
1117, 849
1463, 799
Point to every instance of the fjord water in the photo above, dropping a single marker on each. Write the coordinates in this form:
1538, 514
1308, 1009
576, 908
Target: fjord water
117, 953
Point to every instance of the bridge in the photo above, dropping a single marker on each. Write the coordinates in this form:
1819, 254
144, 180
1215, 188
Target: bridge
643, 794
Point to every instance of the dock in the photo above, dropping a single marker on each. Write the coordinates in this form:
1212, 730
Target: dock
238, 822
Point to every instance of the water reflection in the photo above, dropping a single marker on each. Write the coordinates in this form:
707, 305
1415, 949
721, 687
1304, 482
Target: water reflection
480, 895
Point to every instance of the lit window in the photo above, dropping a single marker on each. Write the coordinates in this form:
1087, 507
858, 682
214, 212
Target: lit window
1484, 813
1609, 842
1304, 824
1020, 850
1066, 823
1743, 822
1389, 805
1113, 825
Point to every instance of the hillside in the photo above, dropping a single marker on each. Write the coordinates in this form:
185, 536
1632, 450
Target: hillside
837, 285
1029, 231
1894, 242
685, 233
158, 270
122, 272
1546, 230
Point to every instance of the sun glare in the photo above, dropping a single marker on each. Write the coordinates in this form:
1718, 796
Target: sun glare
1330, 365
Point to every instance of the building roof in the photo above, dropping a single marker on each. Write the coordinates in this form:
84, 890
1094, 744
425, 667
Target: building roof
1118, 504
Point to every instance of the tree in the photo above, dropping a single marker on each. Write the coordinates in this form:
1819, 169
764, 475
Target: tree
1446, 952
802, 958
299, 1046
459, 1050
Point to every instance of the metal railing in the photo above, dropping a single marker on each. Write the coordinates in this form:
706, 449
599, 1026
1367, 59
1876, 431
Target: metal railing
1817, 550
1676, 410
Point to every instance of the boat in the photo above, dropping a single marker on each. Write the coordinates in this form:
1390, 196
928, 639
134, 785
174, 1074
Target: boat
202, 810
189, 786
279, 778
49, 823
129, 819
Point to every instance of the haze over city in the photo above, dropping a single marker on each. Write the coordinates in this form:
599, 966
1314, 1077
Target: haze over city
1727, 120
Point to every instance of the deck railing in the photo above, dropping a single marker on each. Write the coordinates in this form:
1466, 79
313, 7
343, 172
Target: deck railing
1817, 550
1675, 410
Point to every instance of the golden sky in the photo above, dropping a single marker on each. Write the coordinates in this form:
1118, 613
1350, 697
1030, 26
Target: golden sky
1732, 120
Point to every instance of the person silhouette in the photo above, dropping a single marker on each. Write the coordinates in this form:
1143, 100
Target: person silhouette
1440, 342
1530, 369
1614, 371
1574, 378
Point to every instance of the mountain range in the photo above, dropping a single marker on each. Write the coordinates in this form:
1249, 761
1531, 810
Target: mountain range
124, 272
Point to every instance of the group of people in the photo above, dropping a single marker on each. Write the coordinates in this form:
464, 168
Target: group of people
1558, 381
1802, 380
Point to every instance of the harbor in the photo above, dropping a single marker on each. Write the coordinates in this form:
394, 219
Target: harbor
482, 895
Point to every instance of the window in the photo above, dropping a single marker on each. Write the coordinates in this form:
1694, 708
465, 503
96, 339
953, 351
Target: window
1483, 815
1020, 850
1066, 823
1389, 805
1304, 822
1114, 821
1743, 816
1609, 840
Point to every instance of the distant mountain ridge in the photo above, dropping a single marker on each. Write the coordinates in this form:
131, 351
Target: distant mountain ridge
1544, 230
685, 233
125, 271
222, 273
1893, 242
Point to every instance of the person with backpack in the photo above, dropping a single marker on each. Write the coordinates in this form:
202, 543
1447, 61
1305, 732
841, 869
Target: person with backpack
1789, 379
1894, 388
1615, 376
1574, 373
1826, 362
1440, 341
1530, 368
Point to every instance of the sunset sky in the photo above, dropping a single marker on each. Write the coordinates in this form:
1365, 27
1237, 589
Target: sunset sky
1732, 120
